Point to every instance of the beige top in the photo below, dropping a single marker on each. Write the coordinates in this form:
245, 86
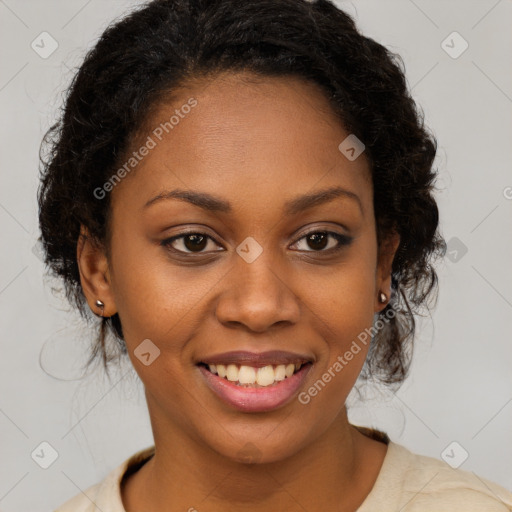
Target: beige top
407, 482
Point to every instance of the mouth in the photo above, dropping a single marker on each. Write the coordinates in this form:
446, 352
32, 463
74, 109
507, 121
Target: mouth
254, 377
253, 382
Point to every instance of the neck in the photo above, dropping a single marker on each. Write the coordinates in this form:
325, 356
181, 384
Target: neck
336, 472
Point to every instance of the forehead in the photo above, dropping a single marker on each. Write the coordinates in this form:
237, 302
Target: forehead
245, 136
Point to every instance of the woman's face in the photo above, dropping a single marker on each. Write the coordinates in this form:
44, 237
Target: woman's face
253, 168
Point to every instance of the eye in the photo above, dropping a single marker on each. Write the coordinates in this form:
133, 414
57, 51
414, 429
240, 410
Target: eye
196, 242
192, 242
319, 241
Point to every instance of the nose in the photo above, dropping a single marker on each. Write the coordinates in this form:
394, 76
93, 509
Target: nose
257, 296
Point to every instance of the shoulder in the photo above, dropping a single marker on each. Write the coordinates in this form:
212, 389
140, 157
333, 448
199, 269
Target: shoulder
83, 502
431, 484
106, 495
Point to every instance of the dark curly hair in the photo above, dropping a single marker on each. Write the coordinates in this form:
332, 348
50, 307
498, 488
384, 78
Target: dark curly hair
162, 45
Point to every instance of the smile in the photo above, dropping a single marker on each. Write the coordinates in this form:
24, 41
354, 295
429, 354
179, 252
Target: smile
250, 376
251, 382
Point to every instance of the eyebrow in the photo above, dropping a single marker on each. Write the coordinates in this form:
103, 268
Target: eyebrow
326, 195
214, 204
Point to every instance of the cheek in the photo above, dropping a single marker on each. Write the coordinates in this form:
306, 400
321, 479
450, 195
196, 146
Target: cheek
156, 303
343, 307
345, 320
155, 299
344, 296
160, 301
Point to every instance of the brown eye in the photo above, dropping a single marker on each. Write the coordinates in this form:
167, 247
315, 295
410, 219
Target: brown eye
318, 241
195, 242
188, 242
324, 241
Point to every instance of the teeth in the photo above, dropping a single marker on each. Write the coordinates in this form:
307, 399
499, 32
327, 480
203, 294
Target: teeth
232, 372
248, 375
290, 368
280, 373
265, 376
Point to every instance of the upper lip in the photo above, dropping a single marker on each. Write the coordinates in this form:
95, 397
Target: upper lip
256, 359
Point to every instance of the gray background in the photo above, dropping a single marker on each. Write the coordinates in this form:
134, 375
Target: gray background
461, 384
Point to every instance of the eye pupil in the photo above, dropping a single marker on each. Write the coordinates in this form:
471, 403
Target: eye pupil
319, 240
198, 242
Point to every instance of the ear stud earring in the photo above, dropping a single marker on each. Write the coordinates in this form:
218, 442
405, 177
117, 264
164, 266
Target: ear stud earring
101, 305
383, 297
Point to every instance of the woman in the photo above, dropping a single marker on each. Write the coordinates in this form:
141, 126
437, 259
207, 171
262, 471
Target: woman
242, 193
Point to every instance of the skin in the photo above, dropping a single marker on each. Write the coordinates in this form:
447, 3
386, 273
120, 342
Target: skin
257, 143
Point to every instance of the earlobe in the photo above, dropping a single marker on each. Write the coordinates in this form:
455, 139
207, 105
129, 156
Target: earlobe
387, 253
94, 274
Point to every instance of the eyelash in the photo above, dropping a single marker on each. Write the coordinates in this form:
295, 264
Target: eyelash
343, 241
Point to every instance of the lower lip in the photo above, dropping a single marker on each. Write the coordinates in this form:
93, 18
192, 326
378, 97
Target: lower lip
256, 399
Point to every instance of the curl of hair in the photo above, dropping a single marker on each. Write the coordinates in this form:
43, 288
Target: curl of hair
141, 59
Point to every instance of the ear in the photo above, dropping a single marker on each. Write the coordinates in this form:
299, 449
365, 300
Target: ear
387, 253
94, 274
